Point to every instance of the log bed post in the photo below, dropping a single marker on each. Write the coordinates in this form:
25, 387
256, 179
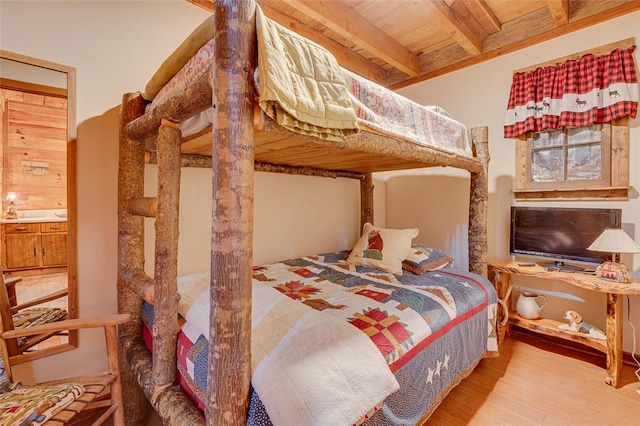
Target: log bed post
366, 200
165, 325
478, 203
130, 252
229, 374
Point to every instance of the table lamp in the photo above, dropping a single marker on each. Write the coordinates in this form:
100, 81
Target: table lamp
614, 240
11, 209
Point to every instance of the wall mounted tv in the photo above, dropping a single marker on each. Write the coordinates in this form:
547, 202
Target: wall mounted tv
560, 233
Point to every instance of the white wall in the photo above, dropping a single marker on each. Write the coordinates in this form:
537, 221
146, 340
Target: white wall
115, 47
478, 95
294, 216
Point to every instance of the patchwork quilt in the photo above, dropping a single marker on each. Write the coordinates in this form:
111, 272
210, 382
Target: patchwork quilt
33, 405
428, 330
376, 108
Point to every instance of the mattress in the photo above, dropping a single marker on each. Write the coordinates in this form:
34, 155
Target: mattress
378, 110
431, 330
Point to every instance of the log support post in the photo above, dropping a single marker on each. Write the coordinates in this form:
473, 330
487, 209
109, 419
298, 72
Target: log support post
478, 203
165, 323
614, 338
366, 200
130, 252
228, 392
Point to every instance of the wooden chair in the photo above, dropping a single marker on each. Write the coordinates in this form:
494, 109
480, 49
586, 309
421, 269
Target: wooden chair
12, 312
94, 397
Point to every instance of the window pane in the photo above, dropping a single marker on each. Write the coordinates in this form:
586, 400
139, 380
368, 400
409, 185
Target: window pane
547, 165
544, 139
584, 162
584, 134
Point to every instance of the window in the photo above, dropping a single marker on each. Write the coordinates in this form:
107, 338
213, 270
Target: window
570, 156
569, 118
574, 162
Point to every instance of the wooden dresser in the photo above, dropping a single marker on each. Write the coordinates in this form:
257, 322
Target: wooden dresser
34, 246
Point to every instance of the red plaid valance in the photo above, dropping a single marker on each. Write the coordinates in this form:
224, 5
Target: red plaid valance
593, 89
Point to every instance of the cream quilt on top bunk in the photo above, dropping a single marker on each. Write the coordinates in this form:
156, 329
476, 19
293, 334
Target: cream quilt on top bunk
376, 108
301, 84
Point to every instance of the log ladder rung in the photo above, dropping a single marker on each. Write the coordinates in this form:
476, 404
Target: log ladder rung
144, 206
141, 284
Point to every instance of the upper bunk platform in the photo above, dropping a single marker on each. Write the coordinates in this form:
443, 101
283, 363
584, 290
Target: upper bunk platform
394, 132
366, 152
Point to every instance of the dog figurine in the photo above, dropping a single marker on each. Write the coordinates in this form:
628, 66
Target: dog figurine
576, 324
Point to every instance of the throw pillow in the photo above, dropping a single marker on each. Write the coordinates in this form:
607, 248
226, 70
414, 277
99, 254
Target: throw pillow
382, 248
423, 258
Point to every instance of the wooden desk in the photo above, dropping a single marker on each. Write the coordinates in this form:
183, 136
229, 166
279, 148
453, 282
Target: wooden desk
503, 271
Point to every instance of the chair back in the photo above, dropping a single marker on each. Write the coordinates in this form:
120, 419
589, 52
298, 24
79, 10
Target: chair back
8, 346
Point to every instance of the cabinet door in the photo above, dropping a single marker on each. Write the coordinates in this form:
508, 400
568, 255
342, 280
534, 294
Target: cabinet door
54, 249
22, 251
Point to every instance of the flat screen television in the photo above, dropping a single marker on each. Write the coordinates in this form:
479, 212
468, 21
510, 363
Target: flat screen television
560, 233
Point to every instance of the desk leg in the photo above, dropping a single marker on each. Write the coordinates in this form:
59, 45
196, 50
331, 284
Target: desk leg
614, 338
501, 283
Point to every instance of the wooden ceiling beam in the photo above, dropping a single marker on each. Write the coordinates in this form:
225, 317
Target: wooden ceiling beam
349, 24
559, 11
503, 49
495, 27
484, 14
345, 56
458, 30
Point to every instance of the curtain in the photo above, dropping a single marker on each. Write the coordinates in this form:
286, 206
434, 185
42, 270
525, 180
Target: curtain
591, 90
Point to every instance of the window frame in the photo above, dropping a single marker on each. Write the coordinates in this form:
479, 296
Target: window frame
614, 184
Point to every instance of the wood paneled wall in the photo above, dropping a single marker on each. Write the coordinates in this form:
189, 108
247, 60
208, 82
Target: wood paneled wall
3, 137
35, 154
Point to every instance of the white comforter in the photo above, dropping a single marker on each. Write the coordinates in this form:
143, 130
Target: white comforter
309, 368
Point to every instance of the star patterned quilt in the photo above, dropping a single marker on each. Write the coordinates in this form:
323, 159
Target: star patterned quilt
430, 331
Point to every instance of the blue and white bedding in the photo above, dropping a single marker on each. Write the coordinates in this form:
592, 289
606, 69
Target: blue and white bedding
324, 331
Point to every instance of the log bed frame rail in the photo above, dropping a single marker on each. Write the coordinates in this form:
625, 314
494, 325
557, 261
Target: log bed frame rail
146, 377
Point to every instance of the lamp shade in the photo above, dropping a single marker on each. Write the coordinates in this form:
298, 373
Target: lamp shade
12, 196
614, 240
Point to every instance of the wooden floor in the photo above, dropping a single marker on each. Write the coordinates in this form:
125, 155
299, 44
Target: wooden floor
534, 382
34, 286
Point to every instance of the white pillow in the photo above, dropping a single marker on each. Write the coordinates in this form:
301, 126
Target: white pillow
382, 248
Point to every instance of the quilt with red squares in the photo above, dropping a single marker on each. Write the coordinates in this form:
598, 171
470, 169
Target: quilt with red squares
430, 329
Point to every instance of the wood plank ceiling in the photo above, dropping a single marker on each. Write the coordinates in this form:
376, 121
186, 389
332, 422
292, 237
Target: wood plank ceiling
401, 42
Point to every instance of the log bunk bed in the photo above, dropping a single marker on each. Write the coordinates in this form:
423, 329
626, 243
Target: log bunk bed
242, 140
